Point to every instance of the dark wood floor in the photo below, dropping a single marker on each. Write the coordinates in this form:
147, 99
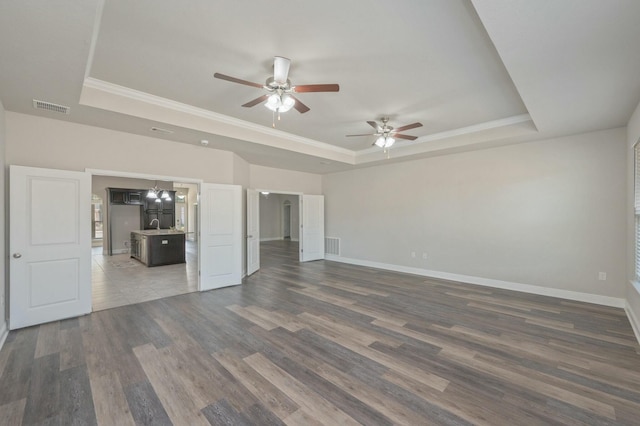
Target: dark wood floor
327, 343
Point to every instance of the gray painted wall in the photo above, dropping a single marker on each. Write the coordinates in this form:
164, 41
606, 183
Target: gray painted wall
545, 213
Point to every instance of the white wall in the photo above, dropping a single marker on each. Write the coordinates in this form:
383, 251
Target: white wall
544, 214
3, 227
632, 287
278, 180
42, 142
270, 218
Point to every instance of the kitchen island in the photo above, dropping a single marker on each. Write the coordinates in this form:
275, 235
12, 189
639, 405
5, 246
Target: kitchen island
158, 247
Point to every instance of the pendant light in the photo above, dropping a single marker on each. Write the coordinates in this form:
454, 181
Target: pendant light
158, 194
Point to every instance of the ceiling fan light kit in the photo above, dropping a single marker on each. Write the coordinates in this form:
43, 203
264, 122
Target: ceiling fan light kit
279, 98
387, 135
279, 89
280, 102
384, 142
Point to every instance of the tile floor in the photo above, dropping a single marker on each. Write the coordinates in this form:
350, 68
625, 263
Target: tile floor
119, 280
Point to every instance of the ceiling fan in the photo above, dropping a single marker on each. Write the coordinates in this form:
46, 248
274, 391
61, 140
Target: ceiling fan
387, 135
279, 89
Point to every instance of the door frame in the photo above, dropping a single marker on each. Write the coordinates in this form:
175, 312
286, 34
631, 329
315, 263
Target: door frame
151, 176
286, 218
278, 192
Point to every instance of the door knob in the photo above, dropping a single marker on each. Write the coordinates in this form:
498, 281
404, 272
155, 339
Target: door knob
249, 236
17, 255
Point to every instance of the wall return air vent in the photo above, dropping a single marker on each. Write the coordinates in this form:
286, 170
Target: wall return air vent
48, 106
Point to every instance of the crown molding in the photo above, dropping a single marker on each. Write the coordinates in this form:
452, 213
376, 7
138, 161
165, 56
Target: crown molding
95, 86
454, 133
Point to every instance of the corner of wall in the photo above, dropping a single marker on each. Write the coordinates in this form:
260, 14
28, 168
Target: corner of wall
632, 307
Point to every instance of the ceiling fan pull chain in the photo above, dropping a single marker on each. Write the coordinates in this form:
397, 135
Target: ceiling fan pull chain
273, 119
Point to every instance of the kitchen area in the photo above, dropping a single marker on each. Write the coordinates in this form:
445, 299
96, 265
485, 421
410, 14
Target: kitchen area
149, 247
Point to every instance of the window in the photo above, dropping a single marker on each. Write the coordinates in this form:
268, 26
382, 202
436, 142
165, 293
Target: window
96, 217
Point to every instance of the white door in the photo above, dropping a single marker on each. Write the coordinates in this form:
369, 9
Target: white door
312, 228
253, 231
50, 245
220, 260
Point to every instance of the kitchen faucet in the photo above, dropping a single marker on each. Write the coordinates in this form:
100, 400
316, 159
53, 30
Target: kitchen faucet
151, 224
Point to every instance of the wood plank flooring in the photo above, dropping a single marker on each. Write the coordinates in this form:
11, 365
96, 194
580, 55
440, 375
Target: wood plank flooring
328, 343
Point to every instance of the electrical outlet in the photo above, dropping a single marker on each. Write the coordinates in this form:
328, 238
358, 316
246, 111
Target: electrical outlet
413, 254
602, 276
424, 256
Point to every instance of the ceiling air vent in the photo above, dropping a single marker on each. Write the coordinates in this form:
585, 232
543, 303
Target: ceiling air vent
51, 107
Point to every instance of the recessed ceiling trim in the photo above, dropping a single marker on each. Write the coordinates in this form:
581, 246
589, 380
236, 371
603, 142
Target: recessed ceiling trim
109, 96
455, 141
476, 128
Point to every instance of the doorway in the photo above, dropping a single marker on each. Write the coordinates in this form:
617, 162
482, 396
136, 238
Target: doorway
286, 220
117, 278
271, 217
64, 267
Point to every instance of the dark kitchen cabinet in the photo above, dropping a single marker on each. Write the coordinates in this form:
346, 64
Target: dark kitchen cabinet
136, 197
155, 248
163, 210
120, 196
117, 196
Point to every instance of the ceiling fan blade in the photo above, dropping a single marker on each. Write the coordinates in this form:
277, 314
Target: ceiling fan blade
237, 80
374, 125
364, 134
299, 106
407, 127
398, 136
256, 101
306, 88
281, 69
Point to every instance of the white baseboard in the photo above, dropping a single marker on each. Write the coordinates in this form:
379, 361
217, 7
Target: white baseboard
120, 251
4, 332
633, 319
631, 314
488, 282
271, 239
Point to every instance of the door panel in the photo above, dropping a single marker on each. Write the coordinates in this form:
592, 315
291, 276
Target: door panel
220, 260
50, 245
253, 231
312, 228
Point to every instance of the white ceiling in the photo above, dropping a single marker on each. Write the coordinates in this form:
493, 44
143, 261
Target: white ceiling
476, 73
